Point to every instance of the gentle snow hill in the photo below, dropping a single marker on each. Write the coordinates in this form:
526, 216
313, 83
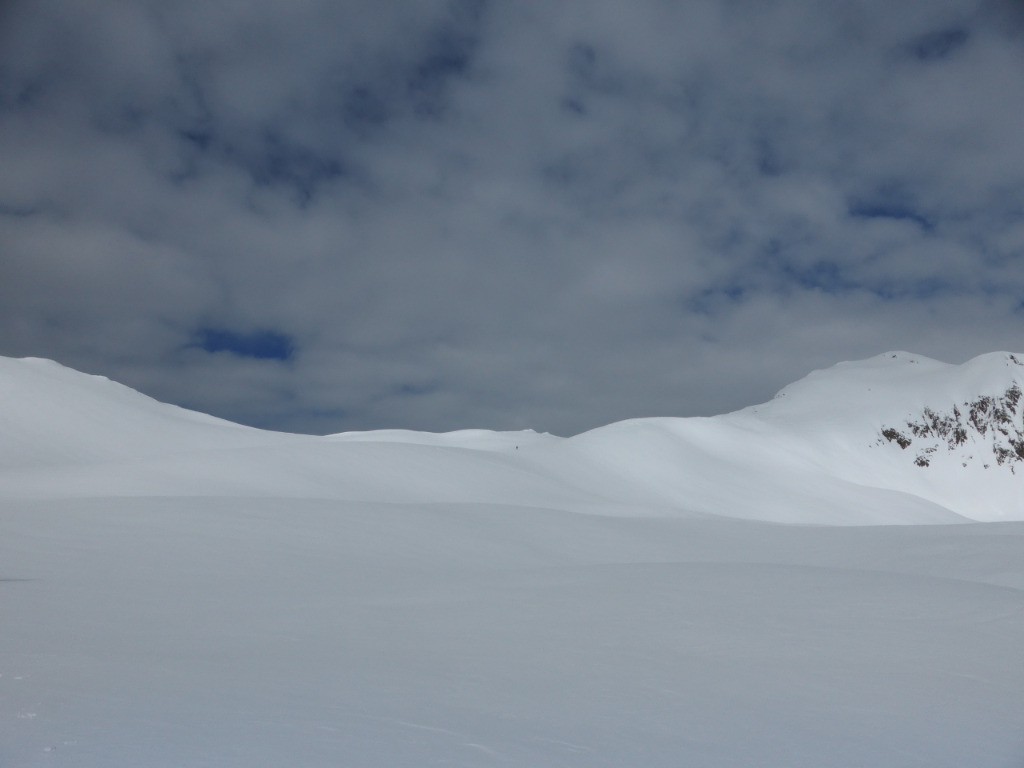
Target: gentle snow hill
897, 438
51, 416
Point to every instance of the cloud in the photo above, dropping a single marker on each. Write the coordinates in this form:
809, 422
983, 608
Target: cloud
337, 216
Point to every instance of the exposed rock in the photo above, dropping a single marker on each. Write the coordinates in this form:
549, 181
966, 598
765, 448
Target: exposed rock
993, 421
891, 435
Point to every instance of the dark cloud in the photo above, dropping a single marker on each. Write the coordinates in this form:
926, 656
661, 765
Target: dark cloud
327, 216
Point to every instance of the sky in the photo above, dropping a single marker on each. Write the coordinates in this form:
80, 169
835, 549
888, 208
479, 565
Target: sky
321, 216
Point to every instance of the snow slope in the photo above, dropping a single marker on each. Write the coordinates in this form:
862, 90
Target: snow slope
815, 454
838, 418
178, 591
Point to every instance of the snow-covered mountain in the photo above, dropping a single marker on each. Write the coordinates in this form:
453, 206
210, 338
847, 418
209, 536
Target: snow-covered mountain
177, 590
897, 438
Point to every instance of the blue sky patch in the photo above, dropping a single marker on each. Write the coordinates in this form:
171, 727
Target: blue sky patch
259, 345
897, 211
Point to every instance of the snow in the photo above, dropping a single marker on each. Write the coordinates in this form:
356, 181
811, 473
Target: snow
176, 590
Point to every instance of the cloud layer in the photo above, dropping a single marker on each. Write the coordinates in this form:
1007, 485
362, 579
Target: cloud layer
321, 216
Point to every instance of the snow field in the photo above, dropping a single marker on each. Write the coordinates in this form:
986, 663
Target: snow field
260, 632
772, 587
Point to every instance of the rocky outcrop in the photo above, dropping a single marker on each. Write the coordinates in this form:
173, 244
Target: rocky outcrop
990, 427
